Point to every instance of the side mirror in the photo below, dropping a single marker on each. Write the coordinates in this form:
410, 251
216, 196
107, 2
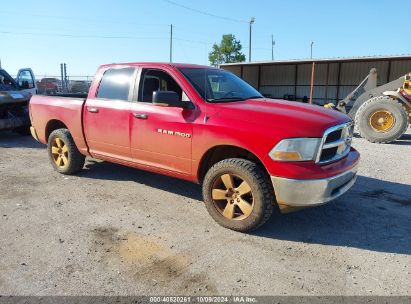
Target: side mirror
188, 105
167, 98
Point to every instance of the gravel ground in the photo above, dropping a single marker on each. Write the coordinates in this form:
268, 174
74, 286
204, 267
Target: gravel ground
112, 230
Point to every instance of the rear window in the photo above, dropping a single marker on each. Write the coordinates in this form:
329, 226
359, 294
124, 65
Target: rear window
115, 84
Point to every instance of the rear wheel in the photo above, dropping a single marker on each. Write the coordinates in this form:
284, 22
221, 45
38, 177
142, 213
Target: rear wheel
63, 153
382, 120
238, 195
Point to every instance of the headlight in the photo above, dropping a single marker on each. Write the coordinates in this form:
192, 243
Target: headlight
296, 149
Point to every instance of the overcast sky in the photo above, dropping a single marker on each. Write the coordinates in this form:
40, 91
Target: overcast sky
84, 34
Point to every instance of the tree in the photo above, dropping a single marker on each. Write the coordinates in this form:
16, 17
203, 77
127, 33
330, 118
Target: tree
228, 51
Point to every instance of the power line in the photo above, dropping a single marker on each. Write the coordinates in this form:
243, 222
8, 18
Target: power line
183, 50
193, 41
205, 43
81, 36
80, 19
104, 37
117, 36
205, 13
8, 27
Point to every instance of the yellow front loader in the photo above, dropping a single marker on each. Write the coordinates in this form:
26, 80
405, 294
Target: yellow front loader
381, 113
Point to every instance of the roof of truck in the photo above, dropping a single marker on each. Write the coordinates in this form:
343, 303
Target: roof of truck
160, 64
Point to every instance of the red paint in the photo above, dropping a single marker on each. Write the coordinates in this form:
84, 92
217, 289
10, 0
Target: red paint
114, 134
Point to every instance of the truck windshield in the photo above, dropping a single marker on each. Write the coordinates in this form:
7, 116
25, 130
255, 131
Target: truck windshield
7, 83
215, 85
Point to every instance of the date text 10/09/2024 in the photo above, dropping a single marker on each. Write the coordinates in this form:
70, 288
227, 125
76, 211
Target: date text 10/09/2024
233, 299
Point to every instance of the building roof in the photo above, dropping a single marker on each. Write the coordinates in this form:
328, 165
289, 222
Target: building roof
323, 60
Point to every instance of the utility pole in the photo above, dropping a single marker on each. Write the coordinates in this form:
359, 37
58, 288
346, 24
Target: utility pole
312, 44
62, 74
272, 47
65, 78
249, 48
171, 43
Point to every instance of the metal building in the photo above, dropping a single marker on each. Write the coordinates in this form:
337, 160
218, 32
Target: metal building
323, 80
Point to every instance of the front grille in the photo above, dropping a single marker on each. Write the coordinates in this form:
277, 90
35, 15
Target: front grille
328, 154
333, 136
336, 143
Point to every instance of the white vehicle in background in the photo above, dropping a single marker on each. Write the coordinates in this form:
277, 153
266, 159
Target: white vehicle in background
15, 95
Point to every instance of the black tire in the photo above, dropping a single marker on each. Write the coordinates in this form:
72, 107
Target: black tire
261, 188
382, 103
75, 160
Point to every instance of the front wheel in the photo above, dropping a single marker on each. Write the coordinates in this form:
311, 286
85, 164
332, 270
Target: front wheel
238, 195
63, 153
382, 120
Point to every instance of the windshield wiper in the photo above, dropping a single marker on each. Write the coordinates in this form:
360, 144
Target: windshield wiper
234, 98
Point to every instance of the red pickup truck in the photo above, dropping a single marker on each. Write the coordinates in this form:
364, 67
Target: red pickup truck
49, 86
204, 125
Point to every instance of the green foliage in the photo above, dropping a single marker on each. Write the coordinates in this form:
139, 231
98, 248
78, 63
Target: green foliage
228, 51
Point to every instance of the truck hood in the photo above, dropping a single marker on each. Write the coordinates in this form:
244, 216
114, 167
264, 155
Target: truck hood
293, 118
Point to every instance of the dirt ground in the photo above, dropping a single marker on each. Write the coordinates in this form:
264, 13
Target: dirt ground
113, 230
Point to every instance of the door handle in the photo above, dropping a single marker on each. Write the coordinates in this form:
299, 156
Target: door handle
140, 116
92, 110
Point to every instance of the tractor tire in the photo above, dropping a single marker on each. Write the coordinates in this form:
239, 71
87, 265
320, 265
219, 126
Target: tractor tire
382, 120
238, 195
63, 153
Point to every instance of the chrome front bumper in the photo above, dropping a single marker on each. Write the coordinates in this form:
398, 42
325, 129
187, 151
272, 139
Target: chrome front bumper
294, 193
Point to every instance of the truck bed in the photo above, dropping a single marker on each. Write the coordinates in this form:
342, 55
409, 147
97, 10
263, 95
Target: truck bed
47, 110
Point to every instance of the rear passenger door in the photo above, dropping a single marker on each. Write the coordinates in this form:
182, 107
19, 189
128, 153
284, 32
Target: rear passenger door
106, 117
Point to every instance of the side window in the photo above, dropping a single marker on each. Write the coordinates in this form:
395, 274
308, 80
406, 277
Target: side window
116, 83
156, 80
25, 77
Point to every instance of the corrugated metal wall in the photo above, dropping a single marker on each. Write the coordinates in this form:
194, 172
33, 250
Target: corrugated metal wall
399, 68
353, 73
333, 80
277, 80
250, 73
236, 70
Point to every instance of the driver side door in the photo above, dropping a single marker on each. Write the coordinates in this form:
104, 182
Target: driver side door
161, 136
